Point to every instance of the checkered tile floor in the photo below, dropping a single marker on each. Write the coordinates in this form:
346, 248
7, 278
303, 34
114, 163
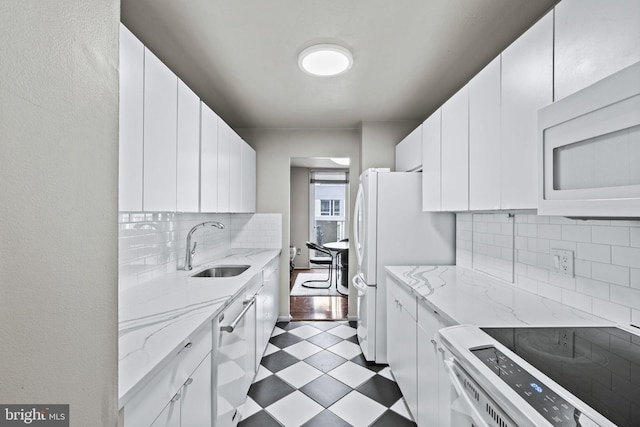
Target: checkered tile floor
313, 374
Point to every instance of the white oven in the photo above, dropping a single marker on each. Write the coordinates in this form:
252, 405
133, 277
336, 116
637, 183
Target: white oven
590, 150
542, 377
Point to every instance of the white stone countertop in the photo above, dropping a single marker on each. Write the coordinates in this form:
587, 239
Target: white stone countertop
465, 296
157, 318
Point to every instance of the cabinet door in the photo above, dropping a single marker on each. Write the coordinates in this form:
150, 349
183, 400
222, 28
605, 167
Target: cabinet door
235, 174
431, 163
527, 77
455, 152
409, 152
160, 124
196, 397
225, 140
208, 159
271, 295
170, 415
188, 151
401, 342
593, 39
484, 138
429, 404
131, 121
248, 155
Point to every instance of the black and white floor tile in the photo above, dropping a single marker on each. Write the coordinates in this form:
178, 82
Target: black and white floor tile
313, 374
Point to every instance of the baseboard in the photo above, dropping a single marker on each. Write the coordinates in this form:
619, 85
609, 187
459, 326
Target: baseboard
352, 318
286, 318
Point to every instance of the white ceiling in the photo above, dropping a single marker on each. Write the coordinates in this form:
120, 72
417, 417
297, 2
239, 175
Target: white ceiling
240, 56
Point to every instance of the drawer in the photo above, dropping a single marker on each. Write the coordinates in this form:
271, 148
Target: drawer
148, 403
404, 296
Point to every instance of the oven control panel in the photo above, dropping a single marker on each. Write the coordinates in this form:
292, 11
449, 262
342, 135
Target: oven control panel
552, 407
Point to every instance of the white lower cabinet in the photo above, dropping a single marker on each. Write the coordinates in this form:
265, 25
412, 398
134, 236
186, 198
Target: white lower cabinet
181, 391
433, 385
414, 356
401, 341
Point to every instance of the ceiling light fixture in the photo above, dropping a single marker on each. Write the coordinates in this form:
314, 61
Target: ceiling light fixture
325, 60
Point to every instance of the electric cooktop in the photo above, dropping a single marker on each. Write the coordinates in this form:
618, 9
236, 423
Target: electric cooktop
599, 365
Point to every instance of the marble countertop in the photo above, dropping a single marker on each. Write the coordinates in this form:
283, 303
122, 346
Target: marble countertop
157, 318
464, 296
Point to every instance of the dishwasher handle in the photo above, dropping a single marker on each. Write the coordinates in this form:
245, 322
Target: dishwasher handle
230, 327
463, 397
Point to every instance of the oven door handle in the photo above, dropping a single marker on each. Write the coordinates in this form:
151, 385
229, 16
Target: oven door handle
462, 396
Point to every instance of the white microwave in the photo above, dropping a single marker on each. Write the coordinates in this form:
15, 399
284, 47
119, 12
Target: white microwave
589, 154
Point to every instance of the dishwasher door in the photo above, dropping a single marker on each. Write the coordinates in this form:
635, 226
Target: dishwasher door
235, 360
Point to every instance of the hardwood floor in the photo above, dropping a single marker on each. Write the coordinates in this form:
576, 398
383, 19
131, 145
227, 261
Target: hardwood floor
316, 308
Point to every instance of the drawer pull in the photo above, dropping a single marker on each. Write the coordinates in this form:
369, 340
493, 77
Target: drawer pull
175, 398
433, 341
188, 381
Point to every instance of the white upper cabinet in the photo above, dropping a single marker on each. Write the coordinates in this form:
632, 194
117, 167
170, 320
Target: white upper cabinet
131, 121
484, 138
431, 163
208, 159
455, 152
160, 124
409, 152
527, 85
593, 39
188, 151
235, 173
248, 157
225, 140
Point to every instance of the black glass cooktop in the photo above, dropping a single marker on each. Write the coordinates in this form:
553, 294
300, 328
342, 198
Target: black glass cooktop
600, 366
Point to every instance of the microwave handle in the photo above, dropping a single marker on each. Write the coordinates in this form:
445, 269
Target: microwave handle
463, 398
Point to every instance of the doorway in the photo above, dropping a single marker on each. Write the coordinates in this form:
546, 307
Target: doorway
319, 214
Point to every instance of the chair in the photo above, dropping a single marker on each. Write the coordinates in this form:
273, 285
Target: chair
320, 261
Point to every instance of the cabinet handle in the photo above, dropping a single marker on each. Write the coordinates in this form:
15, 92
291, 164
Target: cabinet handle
188, 381
188, 345
175, 398
433, 342
441, 350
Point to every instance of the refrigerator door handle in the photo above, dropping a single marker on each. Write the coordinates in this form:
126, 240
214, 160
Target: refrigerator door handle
359, 284
357, 223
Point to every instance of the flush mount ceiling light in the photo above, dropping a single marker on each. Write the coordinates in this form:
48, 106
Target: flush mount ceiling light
325, 60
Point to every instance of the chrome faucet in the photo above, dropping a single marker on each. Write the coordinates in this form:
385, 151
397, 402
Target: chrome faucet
188, 261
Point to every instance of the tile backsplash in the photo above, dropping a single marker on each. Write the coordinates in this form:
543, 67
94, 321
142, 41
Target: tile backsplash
153, 244
606, 257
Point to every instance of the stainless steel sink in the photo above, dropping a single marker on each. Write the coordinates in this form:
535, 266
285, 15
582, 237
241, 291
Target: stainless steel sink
222, 271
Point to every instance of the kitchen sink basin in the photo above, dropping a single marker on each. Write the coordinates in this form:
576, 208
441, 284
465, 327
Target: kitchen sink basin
222, 271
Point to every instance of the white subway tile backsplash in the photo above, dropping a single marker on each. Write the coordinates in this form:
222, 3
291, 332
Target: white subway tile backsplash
610, 273
626, 296
635, 278
610, 235
576, 233
629, 257
614, 312
595, 288
594, 252
153, 244
577, 300
607, 258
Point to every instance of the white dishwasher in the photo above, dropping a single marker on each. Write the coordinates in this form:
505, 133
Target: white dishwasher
235, 367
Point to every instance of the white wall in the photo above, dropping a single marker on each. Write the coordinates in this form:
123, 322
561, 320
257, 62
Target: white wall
607, 258
300, 214
275, 148
379, 140
58, 227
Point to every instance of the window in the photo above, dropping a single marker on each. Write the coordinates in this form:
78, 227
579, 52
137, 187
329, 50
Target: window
330, 207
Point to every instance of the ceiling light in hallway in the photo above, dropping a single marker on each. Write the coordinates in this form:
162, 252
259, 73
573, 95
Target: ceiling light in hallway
325, 60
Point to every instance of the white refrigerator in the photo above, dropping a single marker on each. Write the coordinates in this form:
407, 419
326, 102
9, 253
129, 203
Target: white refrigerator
389, 228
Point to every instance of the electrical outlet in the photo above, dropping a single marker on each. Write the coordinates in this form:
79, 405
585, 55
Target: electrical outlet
562, 262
